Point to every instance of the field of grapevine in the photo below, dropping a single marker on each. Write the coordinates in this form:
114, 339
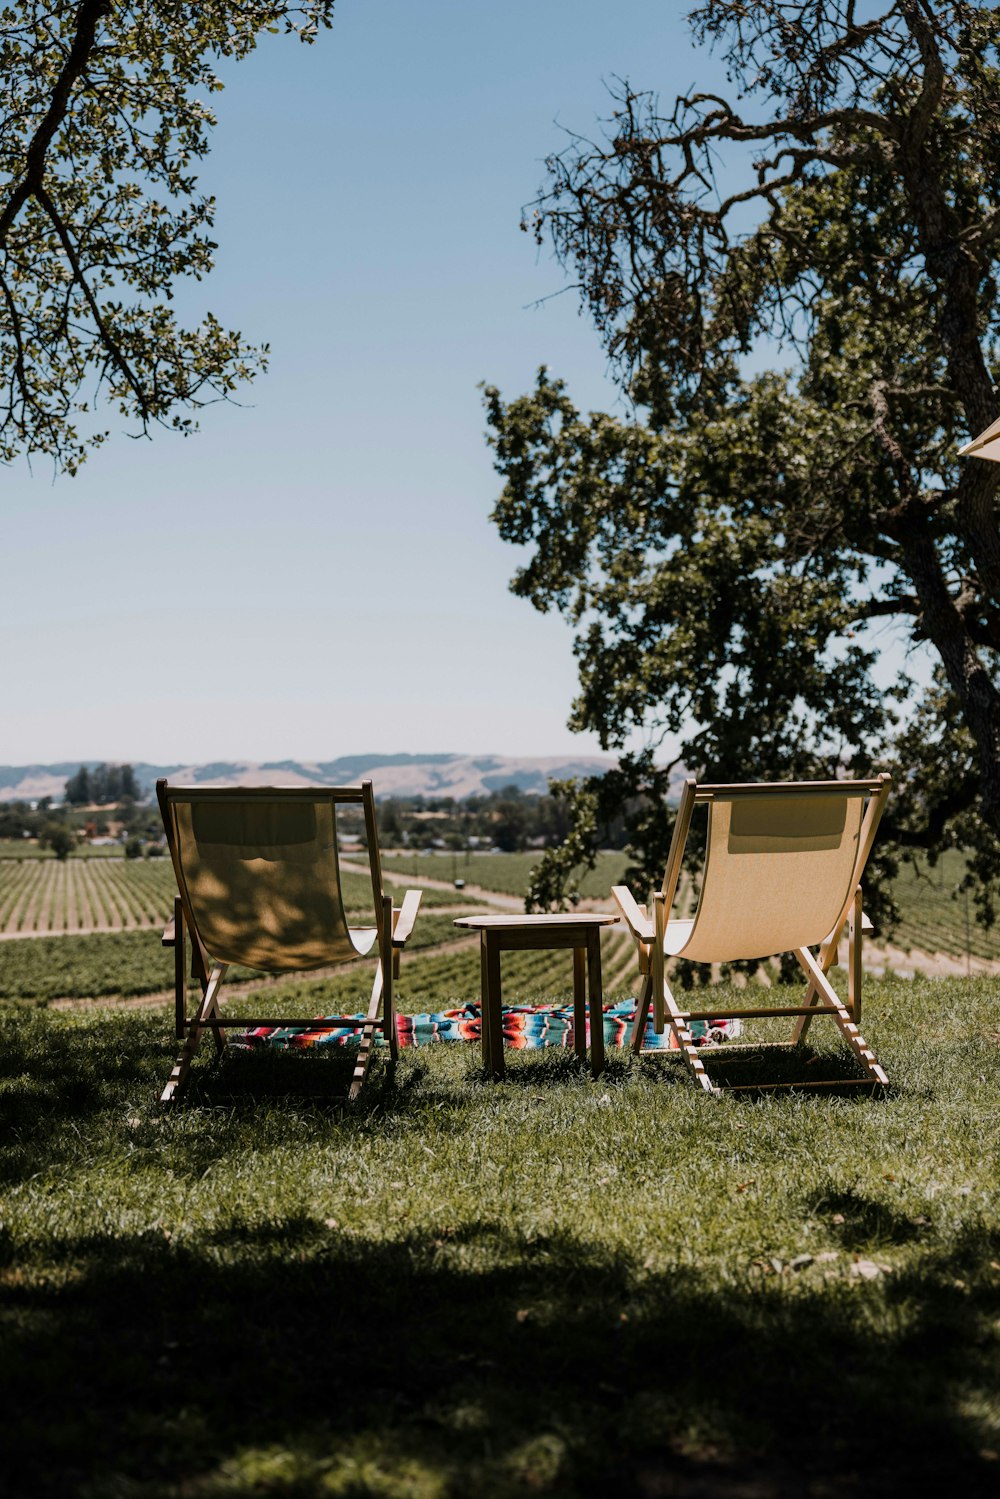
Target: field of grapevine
440, 970
933, 918
936, 917
43, 897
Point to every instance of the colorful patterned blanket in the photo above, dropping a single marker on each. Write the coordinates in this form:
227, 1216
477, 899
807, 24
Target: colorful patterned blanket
525, 1027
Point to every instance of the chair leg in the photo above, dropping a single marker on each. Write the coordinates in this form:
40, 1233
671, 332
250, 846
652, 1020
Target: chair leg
854, 959
381, 1000
641, 1015
367, 1046
673, 1018
848, 1029
685, 1041
827, 958
388, 974
218, 1031
658, 968
208, 1007
180, 969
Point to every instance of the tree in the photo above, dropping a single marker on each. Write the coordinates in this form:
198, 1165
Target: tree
59, 839
104, 114
103, 785
77, 790
392, 827
17, 820
725, 547
509, 819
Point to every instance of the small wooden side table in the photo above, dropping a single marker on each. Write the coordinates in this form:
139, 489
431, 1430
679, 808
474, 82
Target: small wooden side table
580, 931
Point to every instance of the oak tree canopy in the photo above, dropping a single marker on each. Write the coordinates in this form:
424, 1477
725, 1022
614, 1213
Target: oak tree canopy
104, 115
797, 286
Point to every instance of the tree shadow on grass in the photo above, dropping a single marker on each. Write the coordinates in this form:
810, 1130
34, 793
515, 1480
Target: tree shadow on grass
51, 1075
864, 1223
295, 1360
322, 1075
292, 1360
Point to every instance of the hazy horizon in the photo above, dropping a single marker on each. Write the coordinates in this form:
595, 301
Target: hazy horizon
416, 756
436, 773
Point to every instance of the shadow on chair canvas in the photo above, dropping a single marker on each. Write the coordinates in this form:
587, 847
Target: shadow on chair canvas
258, 876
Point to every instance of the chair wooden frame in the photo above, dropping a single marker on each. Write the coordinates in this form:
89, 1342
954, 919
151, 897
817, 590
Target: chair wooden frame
393, 926
820, 998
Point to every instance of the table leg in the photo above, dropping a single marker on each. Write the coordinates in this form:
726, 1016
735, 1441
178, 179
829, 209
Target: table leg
492, 1006
580, 1002
596, 987
484, 1002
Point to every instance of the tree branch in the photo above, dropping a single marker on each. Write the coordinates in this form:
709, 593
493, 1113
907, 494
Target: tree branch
89, 15
15, 324
110, 343
960, 799
883, 608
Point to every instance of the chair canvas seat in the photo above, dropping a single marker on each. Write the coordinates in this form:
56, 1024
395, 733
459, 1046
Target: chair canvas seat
782, 871
258, 877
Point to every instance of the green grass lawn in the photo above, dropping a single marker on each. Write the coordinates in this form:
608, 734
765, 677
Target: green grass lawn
454, 1287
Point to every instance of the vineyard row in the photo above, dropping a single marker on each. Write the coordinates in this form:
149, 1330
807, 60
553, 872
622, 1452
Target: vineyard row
43, 897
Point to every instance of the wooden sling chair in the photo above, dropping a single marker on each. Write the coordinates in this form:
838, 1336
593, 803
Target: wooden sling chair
782, 873
258, 877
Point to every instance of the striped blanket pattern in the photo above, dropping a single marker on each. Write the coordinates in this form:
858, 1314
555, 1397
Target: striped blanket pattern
525, 1028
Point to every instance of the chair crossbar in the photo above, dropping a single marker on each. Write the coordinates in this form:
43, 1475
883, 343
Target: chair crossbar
757, 1014
318, 1023
346, 794
707, 793
807, 1086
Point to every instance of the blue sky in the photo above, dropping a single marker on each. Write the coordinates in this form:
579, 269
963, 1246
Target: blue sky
314, 574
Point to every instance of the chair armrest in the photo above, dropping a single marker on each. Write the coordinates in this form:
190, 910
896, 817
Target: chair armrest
169, 938
407, 916
641, 926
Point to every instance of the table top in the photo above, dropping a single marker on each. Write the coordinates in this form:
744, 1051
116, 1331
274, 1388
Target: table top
540, 921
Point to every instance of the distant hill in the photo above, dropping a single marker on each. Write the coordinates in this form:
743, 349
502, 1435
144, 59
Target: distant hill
432, 775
